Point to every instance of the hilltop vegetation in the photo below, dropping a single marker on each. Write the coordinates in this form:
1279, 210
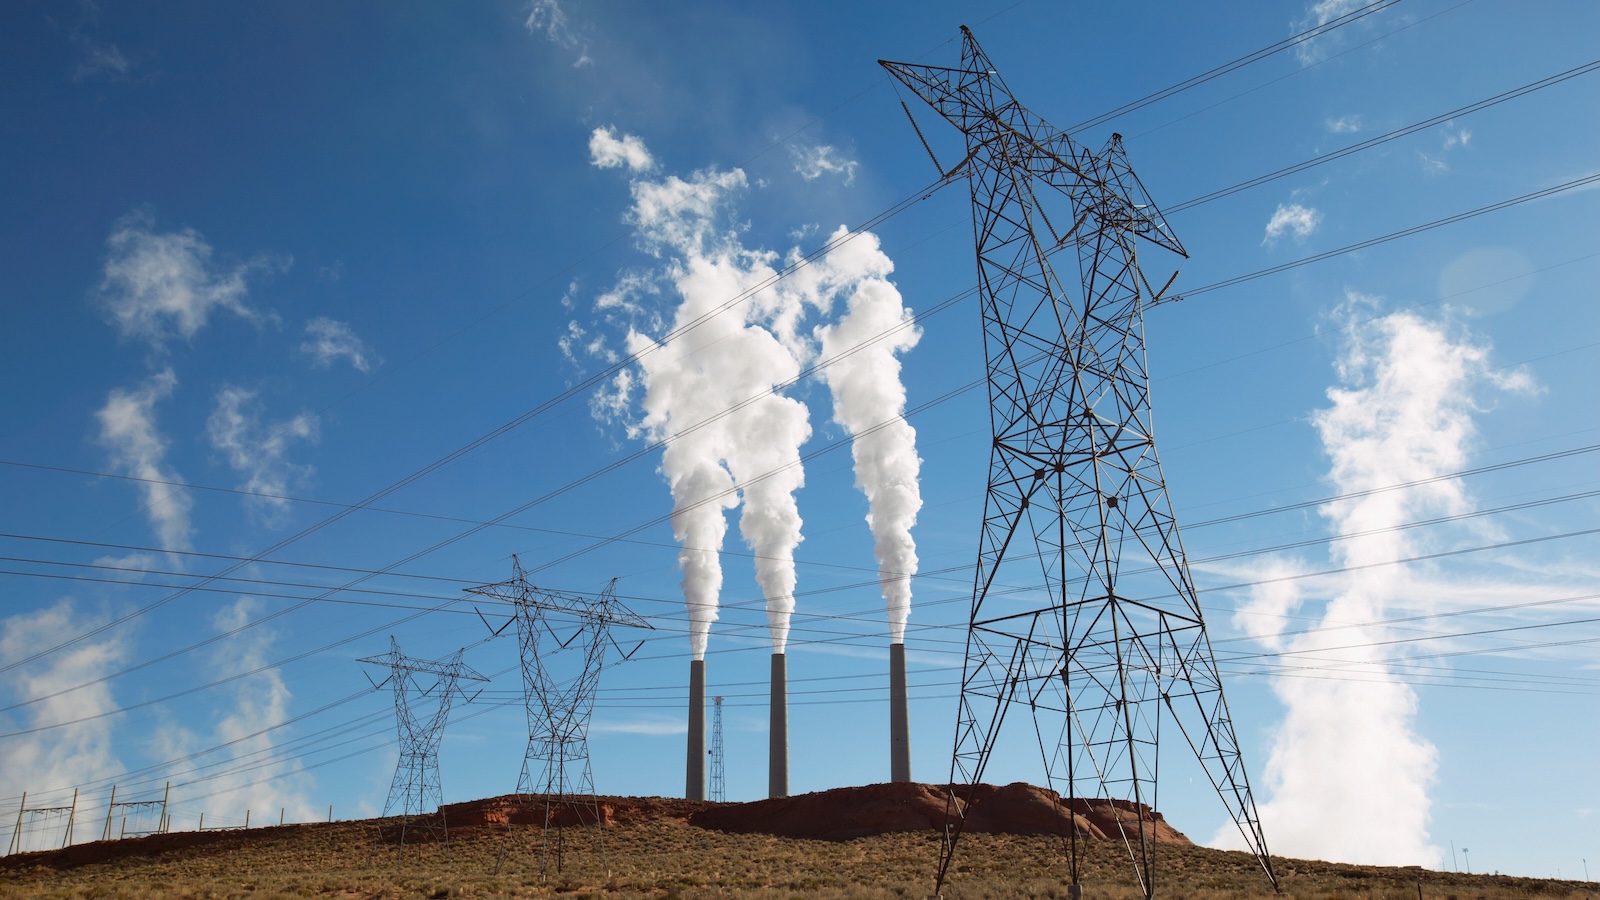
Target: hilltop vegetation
665, 857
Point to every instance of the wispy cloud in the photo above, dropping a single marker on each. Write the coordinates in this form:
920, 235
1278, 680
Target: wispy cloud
1300, 221
257, 451
49, 762
261, 703
100, 61
608, 151
247, 731
1321, 12
1343, 125
1435, 163
160, 286
548, 17
329, 340
137, 447
822, 159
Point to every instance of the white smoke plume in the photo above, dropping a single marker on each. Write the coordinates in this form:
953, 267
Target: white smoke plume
691, 379
128, 432
1349, 774
863, 373
710, 386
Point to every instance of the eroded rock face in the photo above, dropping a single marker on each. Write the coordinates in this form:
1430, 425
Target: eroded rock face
531, 809
846, 813
842, 814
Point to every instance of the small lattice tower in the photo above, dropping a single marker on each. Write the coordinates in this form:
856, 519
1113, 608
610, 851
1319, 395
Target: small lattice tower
423, 693
719, 784
1084, 613
563, 641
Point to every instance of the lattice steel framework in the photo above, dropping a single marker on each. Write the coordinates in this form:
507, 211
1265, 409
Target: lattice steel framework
563, 639
1113, 640
420, 714
719, 783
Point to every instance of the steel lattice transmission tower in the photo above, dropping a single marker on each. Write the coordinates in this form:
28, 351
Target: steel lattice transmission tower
420, 714
1112, 641
719, 783
563, 639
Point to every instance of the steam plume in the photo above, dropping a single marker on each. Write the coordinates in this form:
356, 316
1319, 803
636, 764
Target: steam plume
716, 359
1349, 774
711, 387
869, 402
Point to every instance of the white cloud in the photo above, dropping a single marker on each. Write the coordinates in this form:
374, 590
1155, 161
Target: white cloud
128, 430
1434, 163
813, 162
98, 61
1343, 125
261, 702
548, 17
49, 763
253, 772
160, 286
1301, 221
608, 151
329, 340
570, 338
626, 293
259, 451
1322, 12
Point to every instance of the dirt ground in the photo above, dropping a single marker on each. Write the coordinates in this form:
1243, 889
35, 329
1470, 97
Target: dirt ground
664, 848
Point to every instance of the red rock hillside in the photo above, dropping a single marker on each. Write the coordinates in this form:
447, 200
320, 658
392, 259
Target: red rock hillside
845, 813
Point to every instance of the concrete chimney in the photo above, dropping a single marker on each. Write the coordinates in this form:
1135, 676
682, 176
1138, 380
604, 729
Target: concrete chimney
899, 716
695, 780
778, 762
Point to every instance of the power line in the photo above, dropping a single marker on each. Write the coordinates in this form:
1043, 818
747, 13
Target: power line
444, 601
1368, 144
1253, 57
1383, 239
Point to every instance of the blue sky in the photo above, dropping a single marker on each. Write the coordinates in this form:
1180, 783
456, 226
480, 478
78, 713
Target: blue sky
303, 252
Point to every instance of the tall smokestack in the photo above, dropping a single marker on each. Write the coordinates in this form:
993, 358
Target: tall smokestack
778, 763
899, 717
695, 780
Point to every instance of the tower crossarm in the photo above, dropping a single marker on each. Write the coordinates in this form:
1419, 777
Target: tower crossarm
975, 99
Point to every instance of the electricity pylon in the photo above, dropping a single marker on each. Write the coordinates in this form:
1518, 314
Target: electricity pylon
1113, 639
719, 783
420, 714
563, 639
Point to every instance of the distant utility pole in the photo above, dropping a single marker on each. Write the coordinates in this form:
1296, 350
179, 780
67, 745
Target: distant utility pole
1111, 641
563, 639
27, 814
719, 787
139, 809
420, 713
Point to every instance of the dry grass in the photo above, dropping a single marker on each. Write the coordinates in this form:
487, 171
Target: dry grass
664, 859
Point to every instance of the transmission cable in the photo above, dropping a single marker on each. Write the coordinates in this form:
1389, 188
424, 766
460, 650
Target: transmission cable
1247, 59
1383, 239
1368, 144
